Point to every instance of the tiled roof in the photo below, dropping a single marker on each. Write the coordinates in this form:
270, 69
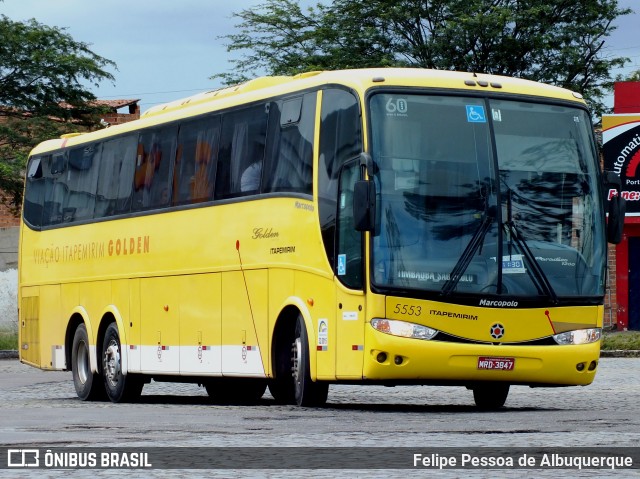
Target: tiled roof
115, 104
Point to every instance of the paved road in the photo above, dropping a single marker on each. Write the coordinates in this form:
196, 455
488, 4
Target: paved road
40, 409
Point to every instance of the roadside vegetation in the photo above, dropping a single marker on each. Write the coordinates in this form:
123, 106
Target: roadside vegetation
8, 339
617, 340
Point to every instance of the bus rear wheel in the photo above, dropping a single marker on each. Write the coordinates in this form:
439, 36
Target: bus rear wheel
118, 386
490, 396
88, 385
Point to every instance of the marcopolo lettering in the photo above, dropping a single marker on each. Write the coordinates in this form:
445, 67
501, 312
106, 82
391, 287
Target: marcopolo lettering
498, 304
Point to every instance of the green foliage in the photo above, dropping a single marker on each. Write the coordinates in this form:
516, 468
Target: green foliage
623, 340
635, 76
43, 92
558, 42
8, 339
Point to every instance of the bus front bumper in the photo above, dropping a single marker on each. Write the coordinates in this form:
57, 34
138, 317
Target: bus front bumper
395, 359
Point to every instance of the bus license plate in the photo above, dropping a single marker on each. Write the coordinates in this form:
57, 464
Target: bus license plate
504, 364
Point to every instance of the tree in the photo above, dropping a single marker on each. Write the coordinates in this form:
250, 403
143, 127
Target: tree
634, 76
560, 42
43, 92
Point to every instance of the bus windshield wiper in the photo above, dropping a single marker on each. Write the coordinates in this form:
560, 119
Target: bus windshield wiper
467, 255
538, 275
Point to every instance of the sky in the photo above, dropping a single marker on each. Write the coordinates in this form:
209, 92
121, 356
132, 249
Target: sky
168, 49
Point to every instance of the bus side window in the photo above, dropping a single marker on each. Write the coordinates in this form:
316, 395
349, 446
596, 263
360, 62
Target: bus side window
154, 161
241, 154
290, 148
195, 168
34, 191
115, 180
81, 180
55, 191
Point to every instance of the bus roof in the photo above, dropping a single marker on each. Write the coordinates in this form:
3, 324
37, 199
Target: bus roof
364, 78
360, 80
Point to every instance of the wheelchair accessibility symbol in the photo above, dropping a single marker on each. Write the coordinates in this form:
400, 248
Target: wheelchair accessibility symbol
342, 264
475, 114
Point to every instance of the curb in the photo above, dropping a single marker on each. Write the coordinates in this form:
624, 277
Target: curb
9, 354
620, 353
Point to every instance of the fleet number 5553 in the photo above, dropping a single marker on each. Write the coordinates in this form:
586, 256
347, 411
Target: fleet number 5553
407, 309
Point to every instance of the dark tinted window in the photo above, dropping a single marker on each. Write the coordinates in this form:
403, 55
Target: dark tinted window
35, 190
241, 154
290, 158
219, 156
55, 189
349, 265
81, 180
154, 158
195, 167
115, 179
340, 140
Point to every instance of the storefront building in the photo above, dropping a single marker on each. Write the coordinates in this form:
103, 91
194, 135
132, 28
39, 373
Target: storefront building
621, 151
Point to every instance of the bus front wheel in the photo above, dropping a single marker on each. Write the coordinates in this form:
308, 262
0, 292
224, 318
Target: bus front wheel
307, 392
490, 396
88, 385
119, 387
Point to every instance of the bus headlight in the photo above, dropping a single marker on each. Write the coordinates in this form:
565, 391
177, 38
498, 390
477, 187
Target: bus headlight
580, 336
403, 328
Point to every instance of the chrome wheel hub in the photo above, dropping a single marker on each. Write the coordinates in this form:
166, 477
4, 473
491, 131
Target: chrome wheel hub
296, 351
112, 364
82, 362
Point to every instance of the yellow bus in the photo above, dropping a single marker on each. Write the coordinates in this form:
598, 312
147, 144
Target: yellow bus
375, 226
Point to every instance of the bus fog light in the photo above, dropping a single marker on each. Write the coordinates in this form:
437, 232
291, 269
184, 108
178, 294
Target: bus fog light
381, 357
403, 329
580, 336
593, 365
580, 366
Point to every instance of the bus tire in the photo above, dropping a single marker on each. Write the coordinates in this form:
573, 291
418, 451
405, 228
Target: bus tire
89, 386
281, 385
307, 393
490, 396
118, 386
236, 390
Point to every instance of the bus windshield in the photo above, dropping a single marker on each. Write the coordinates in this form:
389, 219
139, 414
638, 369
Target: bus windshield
485, 196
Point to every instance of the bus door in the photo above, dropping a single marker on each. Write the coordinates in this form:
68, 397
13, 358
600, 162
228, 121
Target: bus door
350, 300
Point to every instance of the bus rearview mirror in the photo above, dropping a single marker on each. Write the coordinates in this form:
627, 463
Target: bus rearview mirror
615, 221
364, 205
